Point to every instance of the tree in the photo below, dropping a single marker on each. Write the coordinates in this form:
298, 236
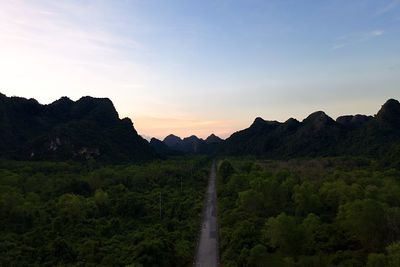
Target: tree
283, 233
376, 260
306, 199
257, 256
72, 207
310, 225
393, 251
365, 219
225, 170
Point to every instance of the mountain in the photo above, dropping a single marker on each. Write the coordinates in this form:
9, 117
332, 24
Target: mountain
188, 145
162, 149
193, 144
213, 139
390, 113
65, 129
351, 121
379, 135
172, 141
319, 135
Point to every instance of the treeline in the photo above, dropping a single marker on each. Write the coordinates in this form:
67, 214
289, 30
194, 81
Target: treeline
68, 214
320, 212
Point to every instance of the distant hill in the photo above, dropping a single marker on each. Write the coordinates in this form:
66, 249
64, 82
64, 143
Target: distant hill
172, 141
192, 144
319, 135
213, 139
162, 149
64, 129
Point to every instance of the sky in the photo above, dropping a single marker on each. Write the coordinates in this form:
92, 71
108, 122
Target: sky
200, 67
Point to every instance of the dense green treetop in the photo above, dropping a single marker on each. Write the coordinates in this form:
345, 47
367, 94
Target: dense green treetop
72, 214
308, 212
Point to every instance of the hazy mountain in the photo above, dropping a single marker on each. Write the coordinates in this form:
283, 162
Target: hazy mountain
162, 149
64, 129
191, 144
319, 135
172, 141
213, 139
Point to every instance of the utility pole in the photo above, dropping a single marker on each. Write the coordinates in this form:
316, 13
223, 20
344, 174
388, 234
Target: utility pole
160, 205
181, 184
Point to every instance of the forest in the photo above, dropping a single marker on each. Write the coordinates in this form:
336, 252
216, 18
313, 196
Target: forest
308, 212
86, 214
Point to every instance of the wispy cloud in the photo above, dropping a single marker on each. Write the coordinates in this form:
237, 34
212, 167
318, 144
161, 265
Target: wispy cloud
376, 33
353, 39
50, 27
338, 46
54, 48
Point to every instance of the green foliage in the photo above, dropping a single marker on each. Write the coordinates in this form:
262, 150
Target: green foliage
364, 220
68, 214
390, 259
225, 170
317, 212
284, 233
393, 251
376, 260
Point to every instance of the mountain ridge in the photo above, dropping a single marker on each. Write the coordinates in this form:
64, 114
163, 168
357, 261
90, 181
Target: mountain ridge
191, 144
319, 135
65, 129
90, 128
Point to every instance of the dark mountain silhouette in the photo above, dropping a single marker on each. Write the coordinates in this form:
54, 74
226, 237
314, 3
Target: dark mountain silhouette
188, 145
162, 149
64, 129
319, 135
355, 121
379, 135
172, 141
211, 144
91, 128
390, 113
213, 139
192, 144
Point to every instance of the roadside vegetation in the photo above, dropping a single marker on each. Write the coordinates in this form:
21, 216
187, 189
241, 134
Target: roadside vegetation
305, 213
69, 214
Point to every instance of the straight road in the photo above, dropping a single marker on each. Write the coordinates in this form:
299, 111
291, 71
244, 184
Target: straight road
207, 251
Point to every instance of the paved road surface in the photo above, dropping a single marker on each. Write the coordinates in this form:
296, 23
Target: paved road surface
207, 251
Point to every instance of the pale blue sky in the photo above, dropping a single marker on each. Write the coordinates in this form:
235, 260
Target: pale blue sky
196, 67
